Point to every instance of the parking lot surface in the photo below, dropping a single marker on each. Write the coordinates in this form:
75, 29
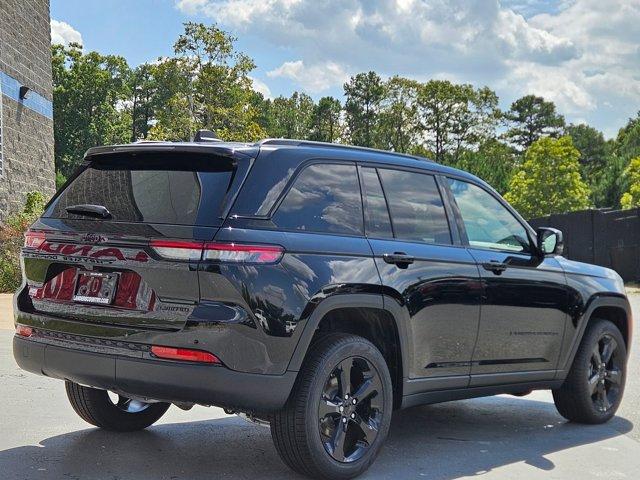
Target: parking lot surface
500, 437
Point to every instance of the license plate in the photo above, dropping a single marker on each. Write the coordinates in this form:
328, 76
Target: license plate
93, 287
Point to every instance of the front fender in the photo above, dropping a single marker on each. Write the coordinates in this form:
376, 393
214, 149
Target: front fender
581, 321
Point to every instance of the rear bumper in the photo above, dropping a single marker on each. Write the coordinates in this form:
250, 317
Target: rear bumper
156, 379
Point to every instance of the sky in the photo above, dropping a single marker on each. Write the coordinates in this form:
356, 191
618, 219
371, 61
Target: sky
582, 54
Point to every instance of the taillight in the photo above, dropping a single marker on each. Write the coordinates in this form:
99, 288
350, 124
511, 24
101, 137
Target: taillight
217, 251
33, 239
24, 331
242, 253
178, 249
184, 354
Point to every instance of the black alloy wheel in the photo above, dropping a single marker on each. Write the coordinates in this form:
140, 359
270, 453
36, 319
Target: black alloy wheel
350, 409
605, 373
339, 413
594, 386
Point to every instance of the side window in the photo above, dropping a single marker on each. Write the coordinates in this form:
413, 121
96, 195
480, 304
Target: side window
324, 198
417, 211
376, 213
488, 223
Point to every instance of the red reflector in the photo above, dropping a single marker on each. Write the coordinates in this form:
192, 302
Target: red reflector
33, 239
242, 253
188, 355
24, 331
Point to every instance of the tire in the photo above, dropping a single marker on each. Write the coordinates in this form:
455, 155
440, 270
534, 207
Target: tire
593, 389
96, 407
309, 434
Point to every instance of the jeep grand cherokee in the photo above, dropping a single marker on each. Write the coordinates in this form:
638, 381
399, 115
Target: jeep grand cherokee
312, 286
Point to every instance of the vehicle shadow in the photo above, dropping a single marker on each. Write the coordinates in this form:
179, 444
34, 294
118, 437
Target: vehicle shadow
445, 441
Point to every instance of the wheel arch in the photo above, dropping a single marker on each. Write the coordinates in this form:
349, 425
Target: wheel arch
360, 314
607, 307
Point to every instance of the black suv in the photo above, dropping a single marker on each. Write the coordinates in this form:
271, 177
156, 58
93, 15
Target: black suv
315, 287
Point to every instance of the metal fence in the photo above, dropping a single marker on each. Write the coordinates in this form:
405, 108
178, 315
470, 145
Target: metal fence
610, 238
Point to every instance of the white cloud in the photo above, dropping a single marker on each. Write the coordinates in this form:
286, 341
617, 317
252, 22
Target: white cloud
63, 33
583, 54
261, 87
314, 78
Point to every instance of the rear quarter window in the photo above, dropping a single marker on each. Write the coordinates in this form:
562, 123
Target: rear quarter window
324, 198
179, 189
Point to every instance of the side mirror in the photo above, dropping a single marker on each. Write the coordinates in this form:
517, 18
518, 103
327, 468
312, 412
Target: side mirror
550, 241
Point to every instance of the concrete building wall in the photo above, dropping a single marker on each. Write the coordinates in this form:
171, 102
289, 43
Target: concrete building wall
27, 124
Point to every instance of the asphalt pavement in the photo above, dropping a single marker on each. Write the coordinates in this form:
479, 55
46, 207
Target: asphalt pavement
499, 437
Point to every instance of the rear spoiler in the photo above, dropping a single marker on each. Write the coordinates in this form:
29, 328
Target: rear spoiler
222, 149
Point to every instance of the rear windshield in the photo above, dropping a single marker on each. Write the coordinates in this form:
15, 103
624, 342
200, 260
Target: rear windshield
178, 189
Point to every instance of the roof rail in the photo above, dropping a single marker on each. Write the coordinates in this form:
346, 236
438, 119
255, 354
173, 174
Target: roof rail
309, 143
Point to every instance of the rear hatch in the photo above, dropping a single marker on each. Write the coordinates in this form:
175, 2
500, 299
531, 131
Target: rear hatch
121, 243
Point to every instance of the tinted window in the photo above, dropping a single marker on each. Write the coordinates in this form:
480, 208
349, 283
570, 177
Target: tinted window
324, 198
488, 223
180, 190
417, 211
376, 214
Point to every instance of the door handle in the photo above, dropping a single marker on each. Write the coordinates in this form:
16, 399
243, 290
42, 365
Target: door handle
495, 267
400, 259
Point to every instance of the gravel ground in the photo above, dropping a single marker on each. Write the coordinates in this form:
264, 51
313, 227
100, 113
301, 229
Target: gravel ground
499, 437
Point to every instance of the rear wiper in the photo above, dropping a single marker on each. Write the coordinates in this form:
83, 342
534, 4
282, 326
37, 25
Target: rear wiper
99, 211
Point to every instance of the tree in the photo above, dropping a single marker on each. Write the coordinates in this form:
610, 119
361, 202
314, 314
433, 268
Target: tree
595, 157
593, 148
531, 118
493, 161
610, 183
90, 94
325, 120
364, 92
612, 180
210, 84
399, 125
627, 144
144, 100
173, 117
631, 198
549, 180
455, 117
290, 117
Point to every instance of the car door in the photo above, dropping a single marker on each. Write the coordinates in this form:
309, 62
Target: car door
430, 281
524, 295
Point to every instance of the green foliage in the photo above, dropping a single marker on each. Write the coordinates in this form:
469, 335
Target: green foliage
493, 161
290, 117
205, 83
33, 208
594, 149
610, 183
325, 120
627, 143
364, 94
455, 117
11, 238
612, 179
595, 158
398, 122
549, 180
631, 198
88, 95
531, 118
60, 180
